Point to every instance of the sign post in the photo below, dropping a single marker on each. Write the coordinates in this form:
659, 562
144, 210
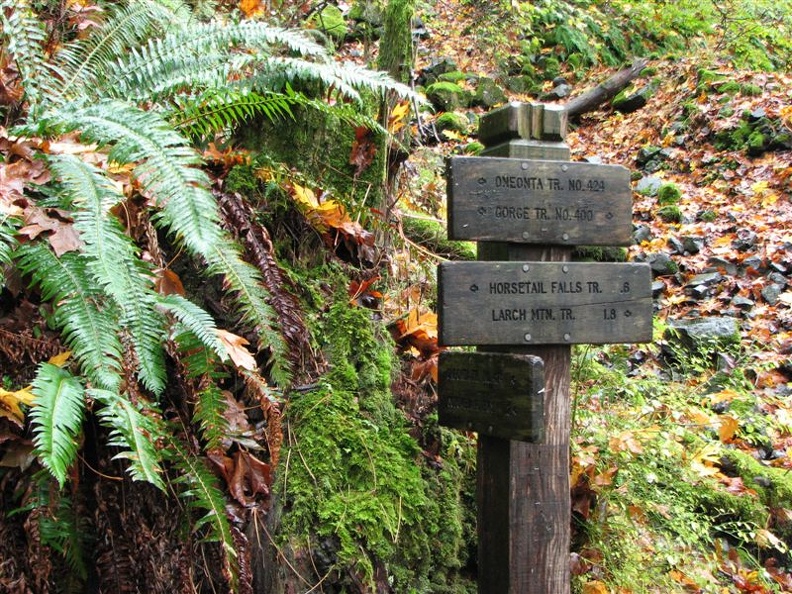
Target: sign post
524, 303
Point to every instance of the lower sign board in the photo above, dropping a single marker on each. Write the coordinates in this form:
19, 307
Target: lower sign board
494, 394
514, 303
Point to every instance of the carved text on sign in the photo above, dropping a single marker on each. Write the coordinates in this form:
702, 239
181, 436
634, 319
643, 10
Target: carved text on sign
512, 303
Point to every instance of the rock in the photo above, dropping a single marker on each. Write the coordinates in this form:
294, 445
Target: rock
642, 233
675, 245
647, 154
743, 303
721, 265
746, 239
452, 121
692, 244
777, 278
772, 292
447, 96
662, 264
629, 102
754, 262
437, 67
708, 278
558, 92
488, 93
648, 185
330, 20
703, 334
658, 288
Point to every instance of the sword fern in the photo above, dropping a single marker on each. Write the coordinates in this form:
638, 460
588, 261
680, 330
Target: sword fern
141, 87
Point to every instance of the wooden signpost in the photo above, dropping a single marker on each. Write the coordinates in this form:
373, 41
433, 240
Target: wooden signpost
522, 303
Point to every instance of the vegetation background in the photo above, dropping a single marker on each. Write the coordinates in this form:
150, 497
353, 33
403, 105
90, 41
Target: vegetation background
219, 226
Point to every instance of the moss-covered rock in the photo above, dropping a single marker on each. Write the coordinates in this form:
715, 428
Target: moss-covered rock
488, 93
330, 20
668, 194
448, 96
454, 121
358, 503
670, 213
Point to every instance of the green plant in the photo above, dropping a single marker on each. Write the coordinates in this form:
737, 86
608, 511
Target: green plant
135, 95
670, 213
668, 194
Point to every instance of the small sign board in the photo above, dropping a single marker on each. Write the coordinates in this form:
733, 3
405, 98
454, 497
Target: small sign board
529, 303
538, 202
495, 394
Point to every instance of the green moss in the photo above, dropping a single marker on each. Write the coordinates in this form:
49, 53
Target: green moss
433, 236
730, 87
455, 77
452, 121
319, 145
670, 213
707, 216
668, 194
330, 20
757, 143
356, 481
750, 90
447, 96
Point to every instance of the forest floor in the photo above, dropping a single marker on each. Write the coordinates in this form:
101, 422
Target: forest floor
723, 414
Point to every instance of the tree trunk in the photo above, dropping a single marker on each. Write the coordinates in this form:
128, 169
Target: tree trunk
605, 91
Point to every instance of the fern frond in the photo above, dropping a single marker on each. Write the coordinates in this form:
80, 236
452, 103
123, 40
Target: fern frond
135, 433
165, 166
214, 110
347, 79
57, 416
198, 55
7, 245
244, 279
196, 320
59, 525
83, 62
87, 323
210, 416
113, 262
23, 36
202, 493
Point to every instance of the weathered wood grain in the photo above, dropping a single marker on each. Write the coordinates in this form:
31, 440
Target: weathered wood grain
528, 303
495, 394
538, 202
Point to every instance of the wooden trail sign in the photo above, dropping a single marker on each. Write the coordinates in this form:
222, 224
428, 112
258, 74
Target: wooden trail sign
527, 232
530, 201
528, 303
496, 394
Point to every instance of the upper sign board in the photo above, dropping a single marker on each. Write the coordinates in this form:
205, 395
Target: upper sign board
538, 202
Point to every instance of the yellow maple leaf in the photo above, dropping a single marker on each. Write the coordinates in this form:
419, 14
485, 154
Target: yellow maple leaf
705, 462
398, 115
251, 7
595, 587
728, 427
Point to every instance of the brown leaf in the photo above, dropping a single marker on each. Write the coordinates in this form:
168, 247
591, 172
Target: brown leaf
235, 347
363, 150
168, 282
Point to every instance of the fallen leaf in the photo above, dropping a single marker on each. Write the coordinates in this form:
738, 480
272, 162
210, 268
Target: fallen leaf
595, 587
60, 359
168, 282
235, 347
728, 428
